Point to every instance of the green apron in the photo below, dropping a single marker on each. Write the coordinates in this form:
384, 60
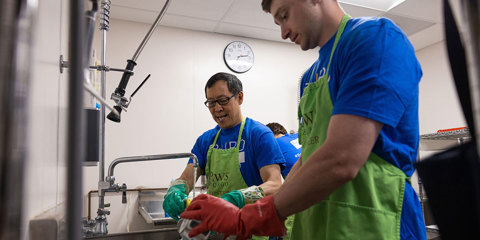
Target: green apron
223, 169
369, 206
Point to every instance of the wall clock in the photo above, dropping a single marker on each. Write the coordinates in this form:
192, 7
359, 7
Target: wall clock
238, 56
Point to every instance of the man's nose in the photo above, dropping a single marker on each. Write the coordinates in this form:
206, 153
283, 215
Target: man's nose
217, 107
285, 32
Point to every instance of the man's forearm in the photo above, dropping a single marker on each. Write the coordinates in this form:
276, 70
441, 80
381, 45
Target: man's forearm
294, 168
270, 187
272, 178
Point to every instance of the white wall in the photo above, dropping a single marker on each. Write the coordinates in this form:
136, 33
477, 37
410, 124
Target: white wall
439, 106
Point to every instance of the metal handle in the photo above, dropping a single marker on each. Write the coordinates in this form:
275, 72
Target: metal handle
124, 193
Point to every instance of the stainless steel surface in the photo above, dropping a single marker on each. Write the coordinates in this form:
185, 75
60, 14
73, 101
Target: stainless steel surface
104, 26
16, 31
150, 206
75, 147
443, 140
105, 15
150, 32
167, 233
433, 233
109, 184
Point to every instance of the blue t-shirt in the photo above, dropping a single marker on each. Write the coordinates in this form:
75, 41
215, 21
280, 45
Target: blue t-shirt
258, 148
375, 74
291, 151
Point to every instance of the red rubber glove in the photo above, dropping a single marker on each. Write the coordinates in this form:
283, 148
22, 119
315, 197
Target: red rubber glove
259, 218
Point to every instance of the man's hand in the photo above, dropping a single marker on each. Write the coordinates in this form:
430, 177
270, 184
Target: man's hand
173, 202
216, 214
244, 196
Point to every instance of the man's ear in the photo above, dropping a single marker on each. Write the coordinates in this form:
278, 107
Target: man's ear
240, 98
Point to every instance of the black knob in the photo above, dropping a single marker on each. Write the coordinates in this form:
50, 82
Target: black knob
124, 193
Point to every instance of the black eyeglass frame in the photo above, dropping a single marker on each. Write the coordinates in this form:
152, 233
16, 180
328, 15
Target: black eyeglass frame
214, 102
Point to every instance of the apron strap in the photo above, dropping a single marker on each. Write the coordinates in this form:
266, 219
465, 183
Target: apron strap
339, 33
239, 135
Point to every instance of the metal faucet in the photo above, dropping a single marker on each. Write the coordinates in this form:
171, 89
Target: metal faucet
109, 185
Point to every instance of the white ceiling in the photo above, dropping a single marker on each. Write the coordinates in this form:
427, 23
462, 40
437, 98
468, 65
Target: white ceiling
421, 20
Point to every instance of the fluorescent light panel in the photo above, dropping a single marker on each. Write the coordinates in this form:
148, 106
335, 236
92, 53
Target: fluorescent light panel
382, 5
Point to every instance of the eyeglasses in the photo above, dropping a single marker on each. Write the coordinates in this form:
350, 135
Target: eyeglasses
221, 101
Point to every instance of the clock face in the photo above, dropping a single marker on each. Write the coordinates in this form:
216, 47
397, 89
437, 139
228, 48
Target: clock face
238, 56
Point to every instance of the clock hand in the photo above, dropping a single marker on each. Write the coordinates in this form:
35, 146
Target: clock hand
239, 56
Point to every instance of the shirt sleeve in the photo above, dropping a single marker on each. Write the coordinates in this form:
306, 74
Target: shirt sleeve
378, 75
266, 149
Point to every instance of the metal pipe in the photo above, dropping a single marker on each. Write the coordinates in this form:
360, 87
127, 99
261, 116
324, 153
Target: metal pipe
117, 161
16, 30
150, 32
104, 26
10, 200
75, 126
153, 158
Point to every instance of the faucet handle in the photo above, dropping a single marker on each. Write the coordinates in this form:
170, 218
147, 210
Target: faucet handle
102, 212
110, 179
124, 193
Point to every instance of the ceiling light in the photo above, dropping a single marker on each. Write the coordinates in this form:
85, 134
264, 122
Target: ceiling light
382, 5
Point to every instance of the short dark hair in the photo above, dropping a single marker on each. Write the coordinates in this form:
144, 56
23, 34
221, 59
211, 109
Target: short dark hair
233, 83
277, 128
266, 4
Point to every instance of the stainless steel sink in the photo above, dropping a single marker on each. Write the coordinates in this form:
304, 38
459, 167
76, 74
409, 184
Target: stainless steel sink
167, 233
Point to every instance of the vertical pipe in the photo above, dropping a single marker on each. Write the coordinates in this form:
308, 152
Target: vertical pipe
75, 120
8, 198
16, 30
101, 164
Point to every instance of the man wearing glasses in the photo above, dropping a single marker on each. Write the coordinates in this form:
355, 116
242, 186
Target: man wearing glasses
240, 157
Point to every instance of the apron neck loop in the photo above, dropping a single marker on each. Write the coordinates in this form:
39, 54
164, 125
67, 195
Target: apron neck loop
339, 33
239, 134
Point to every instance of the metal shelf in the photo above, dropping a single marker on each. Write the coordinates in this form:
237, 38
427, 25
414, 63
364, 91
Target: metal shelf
443, 140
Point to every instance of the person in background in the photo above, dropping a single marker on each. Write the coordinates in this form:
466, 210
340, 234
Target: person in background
289, 145
240, 157
358, 127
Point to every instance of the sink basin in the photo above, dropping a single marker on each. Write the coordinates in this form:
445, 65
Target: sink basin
168, 233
